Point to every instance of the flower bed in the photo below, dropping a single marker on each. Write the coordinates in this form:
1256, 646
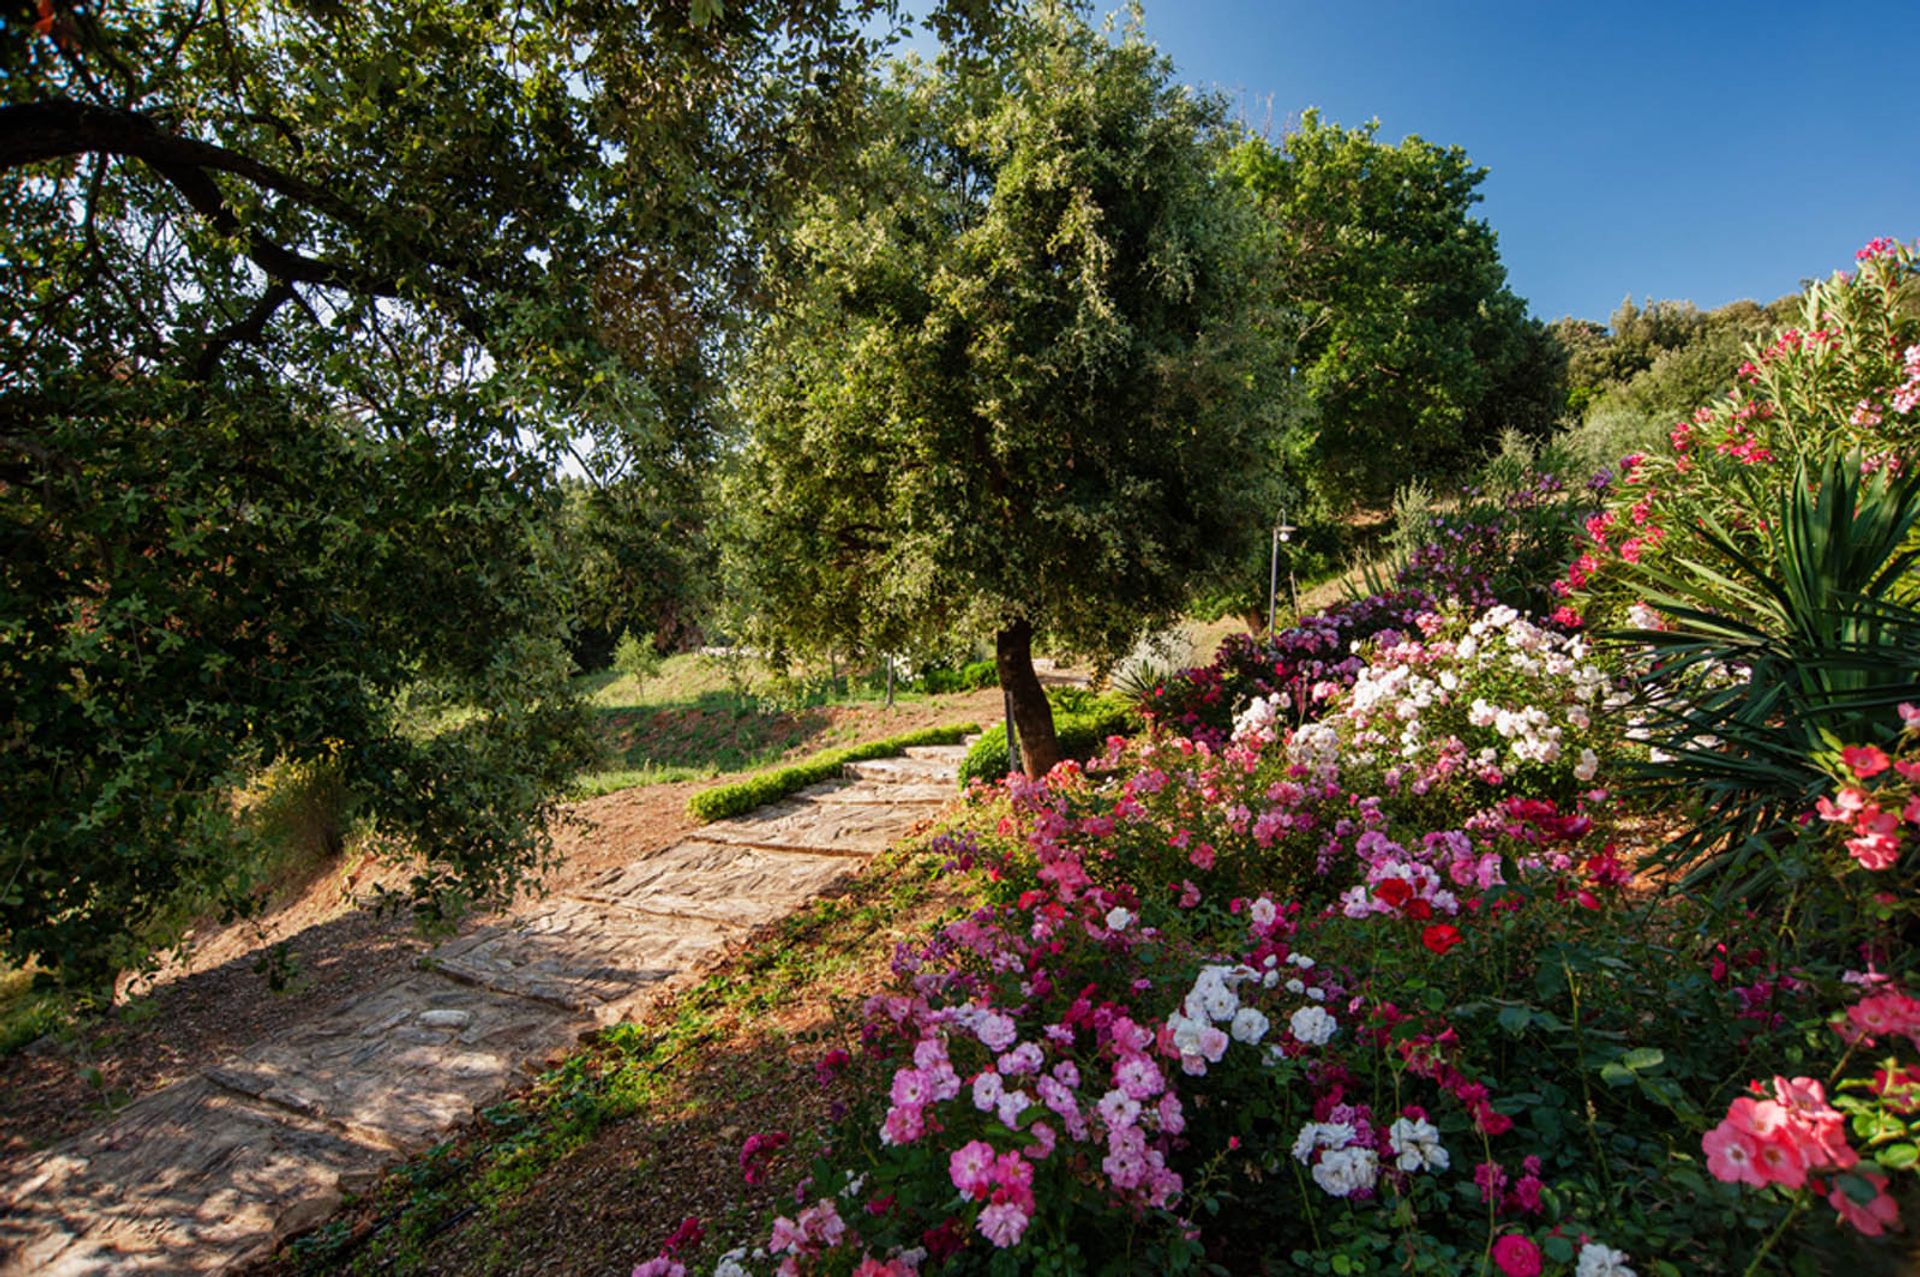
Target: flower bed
1262, 1004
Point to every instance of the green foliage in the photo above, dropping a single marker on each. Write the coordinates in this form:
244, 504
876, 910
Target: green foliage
302, 305
1660, 361
1414, 351
634, 658
1082, 721
640, 559
970, 677
1761, 668
742, 797
1837, 380
1023, 367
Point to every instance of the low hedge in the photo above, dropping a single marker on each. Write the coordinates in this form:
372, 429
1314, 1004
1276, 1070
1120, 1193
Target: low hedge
745, 795
1082, 722
970, 677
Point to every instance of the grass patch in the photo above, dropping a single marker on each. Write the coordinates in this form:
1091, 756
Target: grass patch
700, 717
743, 796
27, 1014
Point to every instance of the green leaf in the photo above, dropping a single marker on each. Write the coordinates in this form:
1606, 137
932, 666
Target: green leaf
1643, 1058
1857, 1188
1897, 1157
1515, 1019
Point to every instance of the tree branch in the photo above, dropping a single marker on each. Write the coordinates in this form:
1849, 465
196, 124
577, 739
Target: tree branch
36, 131
248, 328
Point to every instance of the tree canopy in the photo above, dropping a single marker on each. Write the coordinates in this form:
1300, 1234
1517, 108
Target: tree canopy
1024, 371
1414, 352
303, 302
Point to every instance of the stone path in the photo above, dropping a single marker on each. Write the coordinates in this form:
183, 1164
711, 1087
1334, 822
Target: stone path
214, 1171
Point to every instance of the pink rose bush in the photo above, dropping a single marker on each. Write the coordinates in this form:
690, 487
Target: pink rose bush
1199, 970
1789, 1136
1876, 807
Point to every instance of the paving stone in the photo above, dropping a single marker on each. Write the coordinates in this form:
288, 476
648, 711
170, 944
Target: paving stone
839, 829
918, 771
953, 754
721, 882
579, 954
396, 1068
867, 792
189, 1180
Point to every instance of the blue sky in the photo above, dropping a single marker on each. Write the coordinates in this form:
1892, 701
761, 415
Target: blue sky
1704, 151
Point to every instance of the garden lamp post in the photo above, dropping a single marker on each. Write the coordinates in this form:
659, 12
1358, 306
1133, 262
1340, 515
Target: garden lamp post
1282, 531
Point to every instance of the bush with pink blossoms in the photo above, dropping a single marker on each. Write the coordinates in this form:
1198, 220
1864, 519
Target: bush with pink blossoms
1789, 1138
1874, 811
1247, 1003
1450, 1048
1845, 377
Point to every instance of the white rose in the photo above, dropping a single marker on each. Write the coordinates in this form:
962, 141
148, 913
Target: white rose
1312, 1025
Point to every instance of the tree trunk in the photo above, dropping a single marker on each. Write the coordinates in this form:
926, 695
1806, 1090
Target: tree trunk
1032, 714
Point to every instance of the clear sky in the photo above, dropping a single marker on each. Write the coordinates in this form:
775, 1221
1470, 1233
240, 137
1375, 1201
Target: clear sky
1705, 151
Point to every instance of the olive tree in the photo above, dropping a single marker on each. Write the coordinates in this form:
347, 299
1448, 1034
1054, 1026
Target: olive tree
1022, 373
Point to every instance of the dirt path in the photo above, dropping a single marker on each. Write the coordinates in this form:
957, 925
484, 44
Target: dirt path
220, 1002
209, 1171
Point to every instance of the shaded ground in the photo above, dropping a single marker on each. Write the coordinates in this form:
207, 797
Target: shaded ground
220, 1002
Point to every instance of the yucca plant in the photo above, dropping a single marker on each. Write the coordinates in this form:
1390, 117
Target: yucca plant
1800, 633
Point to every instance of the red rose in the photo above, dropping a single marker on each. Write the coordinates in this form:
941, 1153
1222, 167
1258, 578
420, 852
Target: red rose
1516, 1256
1440, 937
1394, 891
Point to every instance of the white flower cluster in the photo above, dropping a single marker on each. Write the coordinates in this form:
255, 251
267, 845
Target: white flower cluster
1416, 1145
1601, 1261
1388, 708
1313, 1025
1260, 719
1343, 1167
1214, 1000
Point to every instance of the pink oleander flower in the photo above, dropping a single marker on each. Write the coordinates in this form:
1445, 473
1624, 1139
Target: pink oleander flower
1865, 760
1732, 1156
1872, 1218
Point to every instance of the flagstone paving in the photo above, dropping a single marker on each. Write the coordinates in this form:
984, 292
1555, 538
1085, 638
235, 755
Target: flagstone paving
212, 1172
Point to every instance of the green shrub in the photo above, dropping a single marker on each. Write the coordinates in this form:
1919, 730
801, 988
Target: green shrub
635, 658
743, 796
970, 677
1082, 722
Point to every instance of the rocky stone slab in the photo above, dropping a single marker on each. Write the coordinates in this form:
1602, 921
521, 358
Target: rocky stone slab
917, 771
581, 954
720, 882
402, 1065
189, 1180
843, 829
873, 793
953, 754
